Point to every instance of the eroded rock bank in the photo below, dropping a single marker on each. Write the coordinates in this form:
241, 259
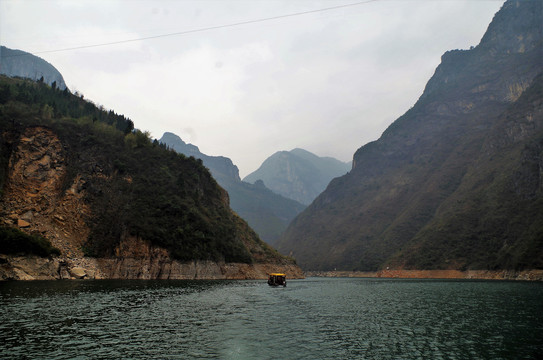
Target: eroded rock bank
531, 275
37, 268
135, 258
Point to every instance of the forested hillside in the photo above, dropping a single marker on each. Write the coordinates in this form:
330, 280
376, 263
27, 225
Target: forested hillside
72, 172
267, 212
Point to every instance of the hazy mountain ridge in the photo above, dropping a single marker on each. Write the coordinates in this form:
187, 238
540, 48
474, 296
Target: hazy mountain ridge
389, 210
17, 63
298, 174
268, 213
222, 168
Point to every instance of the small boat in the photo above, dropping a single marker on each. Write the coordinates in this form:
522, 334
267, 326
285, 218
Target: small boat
276, 279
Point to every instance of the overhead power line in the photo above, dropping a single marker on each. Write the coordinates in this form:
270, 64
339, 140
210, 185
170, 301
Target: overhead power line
186, 32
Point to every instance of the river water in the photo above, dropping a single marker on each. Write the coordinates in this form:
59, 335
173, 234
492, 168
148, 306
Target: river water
314, 318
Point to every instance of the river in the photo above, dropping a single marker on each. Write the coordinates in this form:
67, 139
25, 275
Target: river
313, 318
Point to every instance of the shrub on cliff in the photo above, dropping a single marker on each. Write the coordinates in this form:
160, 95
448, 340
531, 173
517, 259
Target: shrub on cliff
16, 242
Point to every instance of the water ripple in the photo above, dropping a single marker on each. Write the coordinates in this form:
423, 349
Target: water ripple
310, 319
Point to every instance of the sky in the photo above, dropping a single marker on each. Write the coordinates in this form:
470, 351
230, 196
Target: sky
245, 79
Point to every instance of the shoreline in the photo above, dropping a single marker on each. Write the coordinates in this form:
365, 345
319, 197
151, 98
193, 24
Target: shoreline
522, 275
58, 268
126, 268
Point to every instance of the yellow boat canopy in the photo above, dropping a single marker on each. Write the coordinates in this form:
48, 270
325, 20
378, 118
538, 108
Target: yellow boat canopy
276, 274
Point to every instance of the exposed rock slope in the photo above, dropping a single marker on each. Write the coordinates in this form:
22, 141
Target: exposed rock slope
456, 182
31, 198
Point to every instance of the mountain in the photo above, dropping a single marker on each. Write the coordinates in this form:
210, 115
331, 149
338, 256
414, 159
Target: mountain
222, 168
454, 183
266, 212
78, 183
298, 174
17, 63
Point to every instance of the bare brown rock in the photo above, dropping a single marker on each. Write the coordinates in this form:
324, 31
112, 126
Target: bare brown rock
78, 272
531, 275
23, 224
37, 268
37, 169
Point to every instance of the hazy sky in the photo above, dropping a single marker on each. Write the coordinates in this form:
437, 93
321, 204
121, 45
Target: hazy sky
327, 81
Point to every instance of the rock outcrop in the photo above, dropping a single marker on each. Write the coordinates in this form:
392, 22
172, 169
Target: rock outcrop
37, 268
135, 259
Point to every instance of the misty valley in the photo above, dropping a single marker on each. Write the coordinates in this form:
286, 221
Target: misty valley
427, 245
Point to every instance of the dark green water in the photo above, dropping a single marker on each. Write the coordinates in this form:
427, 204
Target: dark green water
315, 318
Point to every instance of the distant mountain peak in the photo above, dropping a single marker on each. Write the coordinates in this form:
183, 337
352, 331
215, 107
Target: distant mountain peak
516, 28
18, 63
298, 174
221, 167
175, 142
268, 213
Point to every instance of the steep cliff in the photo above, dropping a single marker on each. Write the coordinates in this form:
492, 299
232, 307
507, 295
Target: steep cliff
114, 203
298, 174
455, 183
17, 63
268, 213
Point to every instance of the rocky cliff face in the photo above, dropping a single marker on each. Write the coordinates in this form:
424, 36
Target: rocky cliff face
298, 174
34, 199
22, 64
135, 259
446, 186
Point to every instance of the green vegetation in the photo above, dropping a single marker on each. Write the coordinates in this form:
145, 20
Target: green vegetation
45, 103
266, 212
134, 186
16, 242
